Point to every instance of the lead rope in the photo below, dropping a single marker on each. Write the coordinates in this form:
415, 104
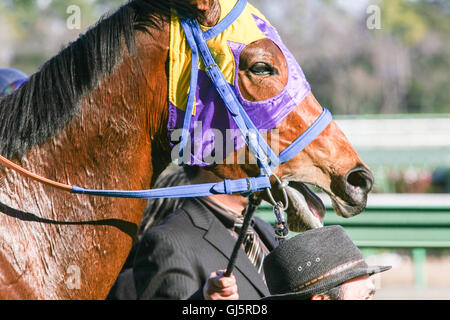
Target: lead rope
253, 204
281, 229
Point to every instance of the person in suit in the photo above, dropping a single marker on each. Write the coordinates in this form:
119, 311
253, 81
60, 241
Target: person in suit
155, 211
184, 256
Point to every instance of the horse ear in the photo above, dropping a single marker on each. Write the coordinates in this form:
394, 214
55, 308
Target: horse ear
209, 11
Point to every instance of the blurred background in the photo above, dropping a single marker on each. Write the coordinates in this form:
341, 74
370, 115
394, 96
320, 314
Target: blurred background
381, 67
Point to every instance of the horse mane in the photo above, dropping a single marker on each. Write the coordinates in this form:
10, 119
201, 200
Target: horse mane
49, 100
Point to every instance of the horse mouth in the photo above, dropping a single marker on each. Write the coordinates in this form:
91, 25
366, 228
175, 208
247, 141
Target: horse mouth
306, 210
346, 210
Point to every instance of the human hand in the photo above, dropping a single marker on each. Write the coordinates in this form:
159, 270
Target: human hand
219, 287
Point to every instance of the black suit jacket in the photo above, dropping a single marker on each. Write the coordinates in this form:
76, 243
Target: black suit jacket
174, 259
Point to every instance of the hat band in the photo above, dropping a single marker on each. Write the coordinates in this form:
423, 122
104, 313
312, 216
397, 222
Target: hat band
333, 271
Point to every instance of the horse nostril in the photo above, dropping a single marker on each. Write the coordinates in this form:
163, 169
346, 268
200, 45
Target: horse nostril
360, 178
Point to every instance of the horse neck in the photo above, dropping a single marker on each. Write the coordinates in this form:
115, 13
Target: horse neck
49, 236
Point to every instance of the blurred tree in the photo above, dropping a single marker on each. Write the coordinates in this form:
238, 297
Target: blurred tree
423, 26
401, 18
403, 67
412, 21
39, 29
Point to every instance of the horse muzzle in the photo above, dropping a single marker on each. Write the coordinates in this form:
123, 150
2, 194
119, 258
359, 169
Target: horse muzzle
349, 194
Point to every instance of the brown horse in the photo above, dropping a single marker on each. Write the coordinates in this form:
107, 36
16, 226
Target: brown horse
96, 115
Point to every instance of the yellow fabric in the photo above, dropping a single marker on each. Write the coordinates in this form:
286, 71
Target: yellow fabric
244, 30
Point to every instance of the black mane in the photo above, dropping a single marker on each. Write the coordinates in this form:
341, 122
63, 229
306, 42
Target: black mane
48, 101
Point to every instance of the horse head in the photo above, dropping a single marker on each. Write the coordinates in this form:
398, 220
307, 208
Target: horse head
272, 88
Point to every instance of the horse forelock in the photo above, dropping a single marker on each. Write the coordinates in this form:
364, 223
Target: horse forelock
47, 103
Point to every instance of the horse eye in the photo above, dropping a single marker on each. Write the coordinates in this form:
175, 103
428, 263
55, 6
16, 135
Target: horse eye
262, 69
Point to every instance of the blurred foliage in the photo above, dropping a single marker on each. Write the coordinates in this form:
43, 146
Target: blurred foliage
404, 19
413, 20
35, 30
424, 29
403, 67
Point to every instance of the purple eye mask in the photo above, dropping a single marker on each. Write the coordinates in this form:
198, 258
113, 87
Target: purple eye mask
213, 132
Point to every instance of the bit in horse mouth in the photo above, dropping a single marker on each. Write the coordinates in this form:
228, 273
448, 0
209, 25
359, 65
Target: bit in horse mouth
306, 210
314, 203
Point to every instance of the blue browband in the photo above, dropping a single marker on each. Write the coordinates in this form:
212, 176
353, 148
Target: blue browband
266, 158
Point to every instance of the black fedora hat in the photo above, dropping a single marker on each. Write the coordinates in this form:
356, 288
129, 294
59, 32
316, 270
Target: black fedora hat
313, 262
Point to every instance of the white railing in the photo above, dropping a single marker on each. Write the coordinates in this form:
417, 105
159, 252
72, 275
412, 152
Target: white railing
401, 133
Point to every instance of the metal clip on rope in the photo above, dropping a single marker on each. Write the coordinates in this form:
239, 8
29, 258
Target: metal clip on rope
281, 228
282, 186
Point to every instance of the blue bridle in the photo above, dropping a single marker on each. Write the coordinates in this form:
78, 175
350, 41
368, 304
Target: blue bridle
267, 160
